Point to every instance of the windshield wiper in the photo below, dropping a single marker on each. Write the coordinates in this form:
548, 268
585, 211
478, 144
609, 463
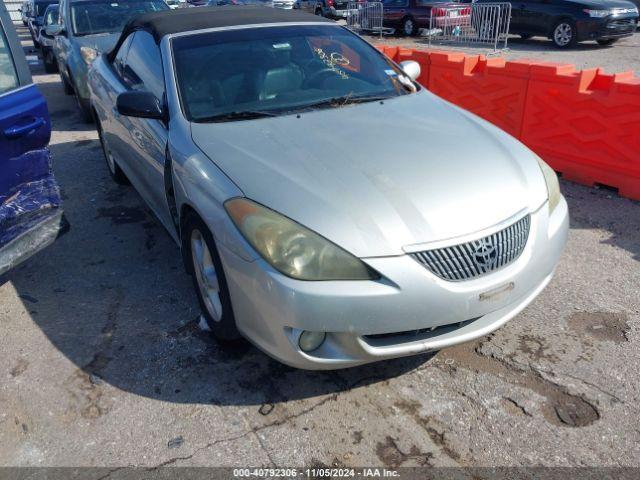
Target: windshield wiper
240, 115
346, 100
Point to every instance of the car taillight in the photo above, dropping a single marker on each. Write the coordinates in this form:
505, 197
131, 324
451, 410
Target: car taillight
465, 11
329, 3
438, 12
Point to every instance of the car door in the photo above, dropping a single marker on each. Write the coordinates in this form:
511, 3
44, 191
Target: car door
394, 11
29, 198
530, 16
147, 138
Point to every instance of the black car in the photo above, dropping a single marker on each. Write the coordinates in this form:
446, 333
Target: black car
567, 22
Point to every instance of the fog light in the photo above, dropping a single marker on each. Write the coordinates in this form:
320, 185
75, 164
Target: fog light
309, 341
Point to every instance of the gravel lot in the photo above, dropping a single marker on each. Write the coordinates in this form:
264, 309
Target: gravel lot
102, 362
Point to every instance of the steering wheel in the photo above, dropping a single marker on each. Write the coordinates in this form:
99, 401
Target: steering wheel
315, 77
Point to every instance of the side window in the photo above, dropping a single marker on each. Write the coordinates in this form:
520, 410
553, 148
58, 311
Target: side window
8, 74
143, 66
121, 56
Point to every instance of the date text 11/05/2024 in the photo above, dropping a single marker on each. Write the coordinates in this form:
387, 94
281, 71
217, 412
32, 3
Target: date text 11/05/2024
322, 472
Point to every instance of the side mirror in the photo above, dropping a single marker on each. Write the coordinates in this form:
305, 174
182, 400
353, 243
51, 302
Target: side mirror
411, 68
54, 30
139, 104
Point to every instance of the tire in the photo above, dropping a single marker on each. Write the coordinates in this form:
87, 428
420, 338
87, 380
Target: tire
564, 33
66, 86
209, 280
114, 169
409, 27
318, 12
85, 108
50, 64
609, 41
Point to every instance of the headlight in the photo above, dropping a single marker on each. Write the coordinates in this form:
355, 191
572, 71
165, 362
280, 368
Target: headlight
553, 187
291, 248
597, 13
88, 54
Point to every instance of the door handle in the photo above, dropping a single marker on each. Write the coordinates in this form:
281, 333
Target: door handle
17, 131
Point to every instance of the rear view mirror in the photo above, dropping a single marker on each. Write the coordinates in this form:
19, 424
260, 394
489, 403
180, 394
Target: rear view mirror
139, 104
411, 68
54, 30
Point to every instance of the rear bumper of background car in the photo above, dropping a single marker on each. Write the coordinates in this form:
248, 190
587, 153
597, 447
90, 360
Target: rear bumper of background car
409, 311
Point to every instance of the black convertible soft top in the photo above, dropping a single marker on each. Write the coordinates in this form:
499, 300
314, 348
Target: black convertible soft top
180, 20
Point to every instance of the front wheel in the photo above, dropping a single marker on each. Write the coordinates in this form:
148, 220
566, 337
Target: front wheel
564, 34
409, 27
608, 41
50, 64
66, 86
208, 279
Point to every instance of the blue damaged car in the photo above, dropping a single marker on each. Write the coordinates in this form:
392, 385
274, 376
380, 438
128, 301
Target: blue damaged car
30, 206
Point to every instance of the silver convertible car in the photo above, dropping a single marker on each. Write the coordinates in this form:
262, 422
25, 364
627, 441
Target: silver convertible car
329, 208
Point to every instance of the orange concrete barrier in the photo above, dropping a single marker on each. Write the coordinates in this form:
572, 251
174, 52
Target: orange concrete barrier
491, 88
585, 124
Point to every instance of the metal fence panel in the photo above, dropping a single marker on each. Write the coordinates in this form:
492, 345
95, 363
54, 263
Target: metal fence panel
478, 23
365, 16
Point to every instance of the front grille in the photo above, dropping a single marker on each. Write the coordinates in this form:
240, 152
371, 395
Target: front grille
478, 257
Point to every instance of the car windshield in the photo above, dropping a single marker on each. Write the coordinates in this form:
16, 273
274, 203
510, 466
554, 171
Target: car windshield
51, 16
93, 17
40, 7
247, 73
8, 75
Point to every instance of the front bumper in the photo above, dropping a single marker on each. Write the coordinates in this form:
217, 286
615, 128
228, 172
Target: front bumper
607, 28
367, 321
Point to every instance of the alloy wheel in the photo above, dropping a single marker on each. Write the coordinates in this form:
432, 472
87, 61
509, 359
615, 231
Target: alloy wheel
206, 275
562, 34
408, 26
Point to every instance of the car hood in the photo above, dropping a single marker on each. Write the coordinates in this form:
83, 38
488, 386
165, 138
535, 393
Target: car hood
375, 178
103, 42
603, 4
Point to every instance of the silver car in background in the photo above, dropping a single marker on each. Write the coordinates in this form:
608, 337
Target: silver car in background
86, 28
330, 209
